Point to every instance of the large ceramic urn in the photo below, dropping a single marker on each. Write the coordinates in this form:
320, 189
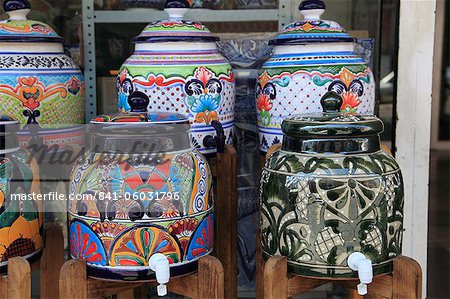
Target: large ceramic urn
141, 192
310, 58
21, 219
176, 67
332, 193
39, 83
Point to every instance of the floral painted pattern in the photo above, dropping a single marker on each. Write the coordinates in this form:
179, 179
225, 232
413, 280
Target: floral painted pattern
315, 210
204, 97
349, 88
265, 94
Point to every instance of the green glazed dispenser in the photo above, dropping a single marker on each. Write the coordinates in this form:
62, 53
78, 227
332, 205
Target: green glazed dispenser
331, 198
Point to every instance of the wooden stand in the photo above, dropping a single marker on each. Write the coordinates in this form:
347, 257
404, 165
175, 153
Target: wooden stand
17, 283
405, 282
224, 168
207, 283
51, 261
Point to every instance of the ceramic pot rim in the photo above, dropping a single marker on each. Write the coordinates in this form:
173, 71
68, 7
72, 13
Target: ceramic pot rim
309, 40
161, 39
27, 39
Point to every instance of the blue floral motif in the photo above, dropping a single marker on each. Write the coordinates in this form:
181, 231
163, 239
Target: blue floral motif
123, 101
205, 102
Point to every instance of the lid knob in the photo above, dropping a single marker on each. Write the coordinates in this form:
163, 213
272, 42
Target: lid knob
331, 102
177, 8
17, 9
312, 9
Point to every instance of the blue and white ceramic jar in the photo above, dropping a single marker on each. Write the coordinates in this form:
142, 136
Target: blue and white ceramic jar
39, 83
310, 58
176, 67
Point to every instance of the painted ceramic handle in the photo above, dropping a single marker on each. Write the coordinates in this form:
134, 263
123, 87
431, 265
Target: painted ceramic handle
218, 141
177, 4
13, 5
331, 102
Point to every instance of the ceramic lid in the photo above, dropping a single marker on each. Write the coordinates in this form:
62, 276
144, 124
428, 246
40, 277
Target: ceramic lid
19, 29
141, 118
140, 132
332, 123
176, 28
140, 123
312, 29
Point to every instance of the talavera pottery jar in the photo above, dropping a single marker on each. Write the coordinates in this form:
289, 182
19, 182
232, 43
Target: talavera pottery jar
176, 68
20, 215
310, 58
330, 192
140, 190
39, 83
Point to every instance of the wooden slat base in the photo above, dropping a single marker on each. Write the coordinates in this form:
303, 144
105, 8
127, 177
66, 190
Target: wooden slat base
207, 283
224, 168
17, 283
51, 261
405, 282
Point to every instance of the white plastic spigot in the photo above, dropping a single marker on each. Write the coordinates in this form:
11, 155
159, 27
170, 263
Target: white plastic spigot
358, 262
160, 265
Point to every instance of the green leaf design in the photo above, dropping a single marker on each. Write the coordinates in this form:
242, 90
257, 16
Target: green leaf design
321, 81
321, 163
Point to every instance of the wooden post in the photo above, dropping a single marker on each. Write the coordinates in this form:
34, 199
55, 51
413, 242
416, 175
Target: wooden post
19, 279
52, 261
73, 280
226, 217
407, 279
129, 294
211, 279
259, 268
275, 278
259, 259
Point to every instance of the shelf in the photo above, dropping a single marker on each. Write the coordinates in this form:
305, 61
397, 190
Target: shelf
201, 15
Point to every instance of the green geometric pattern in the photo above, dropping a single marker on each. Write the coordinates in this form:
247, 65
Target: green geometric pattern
317, 210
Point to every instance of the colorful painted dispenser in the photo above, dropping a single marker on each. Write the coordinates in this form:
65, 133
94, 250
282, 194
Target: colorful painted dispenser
176, 67
21, 221
39, 83
141, 200
310, 58
332, 199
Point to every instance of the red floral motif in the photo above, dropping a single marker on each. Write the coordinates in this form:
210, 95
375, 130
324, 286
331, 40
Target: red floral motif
83, 247
350, 101
183, 230
31, 92
74, 85
107, 232
203, 74
264, 102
